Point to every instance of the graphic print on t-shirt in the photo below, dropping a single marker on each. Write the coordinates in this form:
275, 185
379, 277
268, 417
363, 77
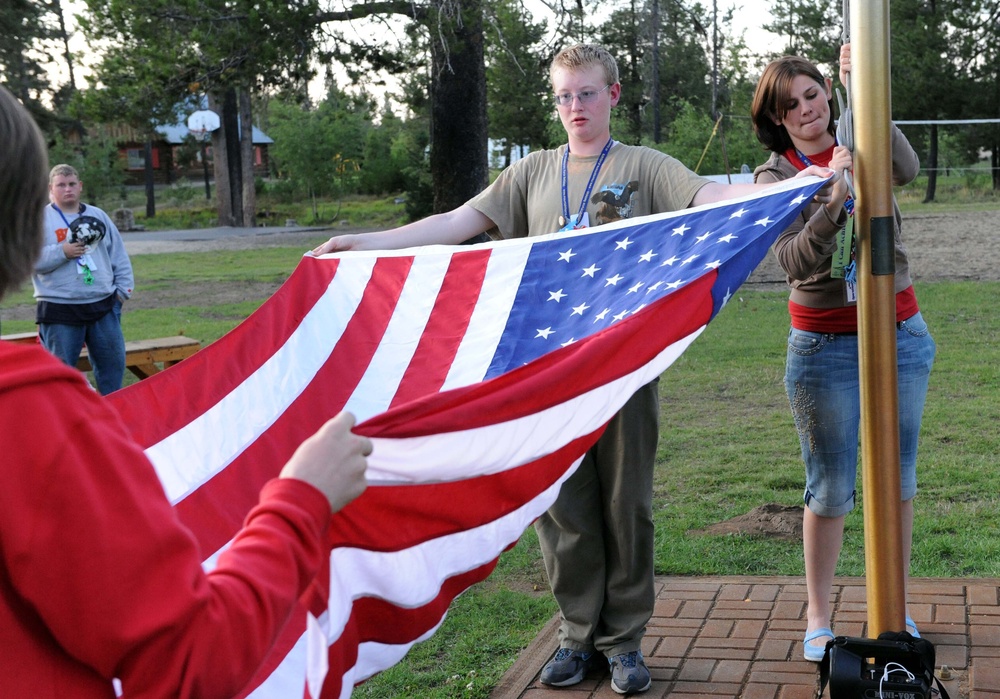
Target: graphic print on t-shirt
615, 201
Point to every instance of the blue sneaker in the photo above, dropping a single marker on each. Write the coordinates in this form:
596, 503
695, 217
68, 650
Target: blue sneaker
629, 673
814, 653
567, 667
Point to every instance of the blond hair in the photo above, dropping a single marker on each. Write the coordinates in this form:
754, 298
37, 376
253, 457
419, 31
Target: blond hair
583, 56
23, 193
62, 170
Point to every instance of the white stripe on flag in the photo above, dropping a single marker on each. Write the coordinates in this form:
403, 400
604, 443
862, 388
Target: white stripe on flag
205, 446
501, 446
496, 298
375, 390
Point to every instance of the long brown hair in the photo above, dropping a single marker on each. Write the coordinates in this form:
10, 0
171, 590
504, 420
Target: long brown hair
23, 193
772, 93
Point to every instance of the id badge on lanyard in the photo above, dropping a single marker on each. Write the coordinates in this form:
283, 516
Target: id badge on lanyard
568, 222
843, 263
572, 225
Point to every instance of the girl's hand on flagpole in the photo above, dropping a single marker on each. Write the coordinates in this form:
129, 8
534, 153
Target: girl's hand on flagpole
845, 62
333, 460
841, 161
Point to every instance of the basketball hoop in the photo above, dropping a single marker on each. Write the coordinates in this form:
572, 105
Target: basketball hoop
201, 123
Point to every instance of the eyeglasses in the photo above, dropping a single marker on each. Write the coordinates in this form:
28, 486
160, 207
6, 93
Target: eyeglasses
564, 99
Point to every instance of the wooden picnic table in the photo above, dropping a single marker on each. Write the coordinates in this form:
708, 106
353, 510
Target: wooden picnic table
142, 357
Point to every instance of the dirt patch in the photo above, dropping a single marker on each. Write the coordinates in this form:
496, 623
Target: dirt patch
959, 246
770, 520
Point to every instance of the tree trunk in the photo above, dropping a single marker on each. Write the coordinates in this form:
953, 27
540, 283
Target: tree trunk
995, 162
632, 90
150, 188
932, 164
655, 90
204, 169
220, 163
227, 160
231, 127
458, 124
249, 194
64, 36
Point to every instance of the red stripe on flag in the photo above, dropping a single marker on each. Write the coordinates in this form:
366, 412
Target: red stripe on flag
215, 511
374, 620
169, 400
446, 326
557, 376
392, 518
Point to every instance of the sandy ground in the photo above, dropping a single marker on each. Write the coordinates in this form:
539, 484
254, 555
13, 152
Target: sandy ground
960, 246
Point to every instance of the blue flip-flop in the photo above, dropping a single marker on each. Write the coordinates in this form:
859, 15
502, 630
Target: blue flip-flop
815, 653
911, 625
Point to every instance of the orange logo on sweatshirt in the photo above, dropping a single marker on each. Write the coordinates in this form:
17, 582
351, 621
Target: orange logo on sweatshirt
61, 234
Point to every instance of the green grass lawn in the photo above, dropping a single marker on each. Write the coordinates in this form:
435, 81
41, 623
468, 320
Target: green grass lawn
184, 206
727, 446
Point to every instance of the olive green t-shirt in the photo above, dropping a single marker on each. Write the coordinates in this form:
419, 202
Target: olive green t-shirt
526, 199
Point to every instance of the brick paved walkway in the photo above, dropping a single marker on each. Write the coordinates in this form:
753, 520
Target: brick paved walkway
741, 638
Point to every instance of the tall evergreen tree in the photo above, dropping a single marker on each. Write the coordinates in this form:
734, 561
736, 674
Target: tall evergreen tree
519, 101
809, 28
681, 72
24, 30
926, 84
457, 92
159, 52
976, 39
623, 34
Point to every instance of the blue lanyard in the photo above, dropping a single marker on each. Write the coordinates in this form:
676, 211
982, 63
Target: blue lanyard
590, 184
61, 214
848, 202
846, 241
88, 276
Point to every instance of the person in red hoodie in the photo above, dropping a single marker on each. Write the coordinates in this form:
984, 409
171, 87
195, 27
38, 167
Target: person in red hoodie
98, 578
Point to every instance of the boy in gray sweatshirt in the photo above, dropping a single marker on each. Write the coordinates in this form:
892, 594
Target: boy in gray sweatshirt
81, 280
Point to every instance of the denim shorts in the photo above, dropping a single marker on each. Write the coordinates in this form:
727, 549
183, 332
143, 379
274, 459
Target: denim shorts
821, 378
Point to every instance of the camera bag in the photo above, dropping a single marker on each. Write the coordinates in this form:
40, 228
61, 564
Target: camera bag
894, 666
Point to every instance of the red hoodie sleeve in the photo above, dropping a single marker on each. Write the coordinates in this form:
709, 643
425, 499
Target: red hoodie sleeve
95, 550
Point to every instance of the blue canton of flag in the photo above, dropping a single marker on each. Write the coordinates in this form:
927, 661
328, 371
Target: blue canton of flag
578, 284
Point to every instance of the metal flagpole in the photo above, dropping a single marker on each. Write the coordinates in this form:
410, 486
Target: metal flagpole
885, 577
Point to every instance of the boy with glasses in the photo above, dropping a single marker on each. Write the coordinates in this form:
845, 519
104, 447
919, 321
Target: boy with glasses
597, 538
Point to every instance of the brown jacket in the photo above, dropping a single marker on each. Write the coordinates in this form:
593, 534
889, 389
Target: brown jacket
805, 249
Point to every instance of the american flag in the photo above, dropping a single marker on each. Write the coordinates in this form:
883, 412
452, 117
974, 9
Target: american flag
482, 375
